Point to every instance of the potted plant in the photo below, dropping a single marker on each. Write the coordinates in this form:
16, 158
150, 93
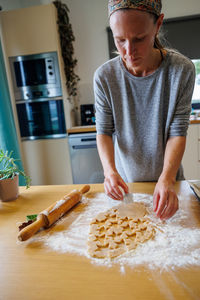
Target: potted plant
9, 176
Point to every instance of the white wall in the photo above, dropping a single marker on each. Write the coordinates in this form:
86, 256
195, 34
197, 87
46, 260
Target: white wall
16, 4
178, 8
89, 21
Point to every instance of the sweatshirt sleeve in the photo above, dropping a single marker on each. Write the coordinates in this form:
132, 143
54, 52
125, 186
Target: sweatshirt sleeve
181, 117
103, 110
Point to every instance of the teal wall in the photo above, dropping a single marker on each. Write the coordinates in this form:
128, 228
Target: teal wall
8, 135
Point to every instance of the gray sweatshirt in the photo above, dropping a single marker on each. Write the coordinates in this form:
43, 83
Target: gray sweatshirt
141, 113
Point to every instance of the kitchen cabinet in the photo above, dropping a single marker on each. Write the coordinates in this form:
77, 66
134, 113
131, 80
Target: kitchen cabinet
191, 158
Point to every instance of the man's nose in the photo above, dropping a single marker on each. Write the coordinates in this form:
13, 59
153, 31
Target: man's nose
130, 48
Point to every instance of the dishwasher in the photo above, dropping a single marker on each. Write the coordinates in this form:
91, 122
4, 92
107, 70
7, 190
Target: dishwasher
85, 161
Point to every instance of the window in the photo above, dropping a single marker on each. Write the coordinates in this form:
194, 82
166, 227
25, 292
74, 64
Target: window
196, 94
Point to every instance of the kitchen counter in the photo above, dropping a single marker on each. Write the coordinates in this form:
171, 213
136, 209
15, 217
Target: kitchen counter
82, 129
195, 121
30, 271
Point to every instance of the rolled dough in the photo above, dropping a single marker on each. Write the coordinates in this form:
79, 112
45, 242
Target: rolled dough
118, 230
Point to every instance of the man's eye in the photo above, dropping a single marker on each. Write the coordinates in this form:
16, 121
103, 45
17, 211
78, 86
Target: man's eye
139, 39
120, 40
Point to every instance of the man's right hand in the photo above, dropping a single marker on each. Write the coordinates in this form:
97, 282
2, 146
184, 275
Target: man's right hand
112, 180
112, 183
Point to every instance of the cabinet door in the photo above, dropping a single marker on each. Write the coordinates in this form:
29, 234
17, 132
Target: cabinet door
190, 162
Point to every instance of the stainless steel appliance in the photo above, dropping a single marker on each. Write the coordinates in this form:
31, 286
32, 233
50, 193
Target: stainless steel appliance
38, 96
85, 161
35, 76
41, 119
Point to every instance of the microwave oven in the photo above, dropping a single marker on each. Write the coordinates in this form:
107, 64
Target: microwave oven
35, 76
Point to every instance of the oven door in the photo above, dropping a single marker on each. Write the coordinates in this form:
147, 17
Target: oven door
41, 119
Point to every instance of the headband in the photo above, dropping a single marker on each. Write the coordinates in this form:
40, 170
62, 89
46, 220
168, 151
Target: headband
151, 6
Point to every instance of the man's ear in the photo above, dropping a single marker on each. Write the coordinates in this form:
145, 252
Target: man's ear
159, 22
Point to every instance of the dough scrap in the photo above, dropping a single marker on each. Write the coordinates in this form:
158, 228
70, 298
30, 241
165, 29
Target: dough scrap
119, 230
132, 210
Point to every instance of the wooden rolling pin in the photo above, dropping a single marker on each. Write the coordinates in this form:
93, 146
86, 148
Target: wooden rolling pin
50, 215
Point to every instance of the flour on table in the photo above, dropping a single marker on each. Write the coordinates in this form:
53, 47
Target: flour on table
174, 245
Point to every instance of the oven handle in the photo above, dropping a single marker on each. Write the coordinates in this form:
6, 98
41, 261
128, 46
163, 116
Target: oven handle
84, 146
88, 140
34, 100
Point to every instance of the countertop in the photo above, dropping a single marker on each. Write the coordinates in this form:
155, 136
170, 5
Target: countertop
30, 271
195, 122
81, 129
86, 129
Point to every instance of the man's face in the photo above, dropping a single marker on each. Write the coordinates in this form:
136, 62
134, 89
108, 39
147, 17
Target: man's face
134, 34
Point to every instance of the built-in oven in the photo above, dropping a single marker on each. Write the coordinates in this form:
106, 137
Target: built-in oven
38, 96
41, 119
35, 76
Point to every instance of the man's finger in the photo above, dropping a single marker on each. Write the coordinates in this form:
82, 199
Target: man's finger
162, 203
124, 186
156, 198
168, 208
115, 188
110, 191
173, 207
118, 192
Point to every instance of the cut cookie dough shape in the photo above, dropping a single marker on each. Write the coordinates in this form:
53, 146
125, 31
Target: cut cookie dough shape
112, 244
131, 245
130, 232
110, 232
94, 228
99, 218
119, 239
93, 238
117, 230
116, 252
99, 254
112, 212
92, 246
125, 224
102, 217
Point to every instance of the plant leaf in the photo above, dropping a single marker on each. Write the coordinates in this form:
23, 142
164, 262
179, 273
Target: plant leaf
31, 217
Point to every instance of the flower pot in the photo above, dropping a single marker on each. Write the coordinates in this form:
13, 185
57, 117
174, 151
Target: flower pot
9, 189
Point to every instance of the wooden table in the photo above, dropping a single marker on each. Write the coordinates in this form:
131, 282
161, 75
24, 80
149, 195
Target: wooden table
28, 272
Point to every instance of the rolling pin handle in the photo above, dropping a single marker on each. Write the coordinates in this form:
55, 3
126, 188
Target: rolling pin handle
31, 229
85, 189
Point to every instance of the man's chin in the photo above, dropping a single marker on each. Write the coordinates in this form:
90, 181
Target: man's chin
133, 64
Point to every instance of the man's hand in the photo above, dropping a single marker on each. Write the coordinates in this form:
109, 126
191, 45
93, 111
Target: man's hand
165, 200
111, 185
112, 180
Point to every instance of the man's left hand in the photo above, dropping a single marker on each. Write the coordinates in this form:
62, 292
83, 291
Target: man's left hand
165, 200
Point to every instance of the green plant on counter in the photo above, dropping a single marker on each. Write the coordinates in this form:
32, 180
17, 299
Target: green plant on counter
9, 167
